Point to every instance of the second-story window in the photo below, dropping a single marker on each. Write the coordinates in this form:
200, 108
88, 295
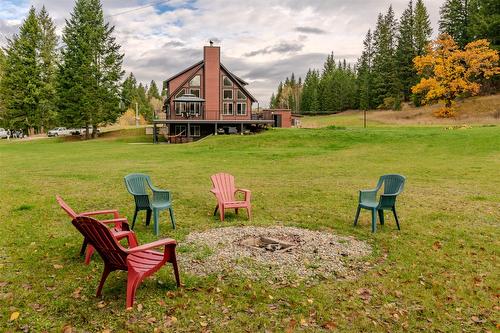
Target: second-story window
195, 81
195, 91
241, 95
228, 94
227, 82
241, 109
228, 108
180, 107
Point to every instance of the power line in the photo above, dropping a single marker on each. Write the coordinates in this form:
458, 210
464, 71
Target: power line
139, 8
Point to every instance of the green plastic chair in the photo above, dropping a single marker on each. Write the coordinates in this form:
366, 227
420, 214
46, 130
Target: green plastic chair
393, 186
162, 199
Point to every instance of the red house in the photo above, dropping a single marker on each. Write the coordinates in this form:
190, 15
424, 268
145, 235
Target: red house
206, 98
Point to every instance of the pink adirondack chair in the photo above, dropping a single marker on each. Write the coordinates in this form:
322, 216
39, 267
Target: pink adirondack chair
140, 261
225, 192
120, 229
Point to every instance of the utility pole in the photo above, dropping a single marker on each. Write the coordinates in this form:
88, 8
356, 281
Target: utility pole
136, 114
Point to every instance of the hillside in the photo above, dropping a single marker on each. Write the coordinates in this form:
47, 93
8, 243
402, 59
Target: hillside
471, 111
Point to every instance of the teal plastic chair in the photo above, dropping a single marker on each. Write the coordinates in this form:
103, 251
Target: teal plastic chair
137, 184
393, 186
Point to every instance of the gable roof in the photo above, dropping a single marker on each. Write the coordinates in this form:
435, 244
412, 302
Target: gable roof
239, 82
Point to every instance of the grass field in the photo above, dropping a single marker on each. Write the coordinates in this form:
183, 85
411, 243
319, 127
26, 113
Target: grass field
439, 273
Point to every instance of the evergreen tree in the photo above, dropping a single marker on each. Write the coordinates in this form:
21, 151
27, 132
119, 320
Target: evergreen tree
21, 83
272, 101
48, 68
164, 89
89, 77
405, 51
129, 91
145, 108
484, 21
153, 91
365, 75
454, 20
422, 28
3, 116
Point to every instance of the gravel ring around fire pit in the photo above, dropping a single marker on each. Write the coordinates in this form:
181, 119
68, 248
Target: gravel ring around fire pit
231, 250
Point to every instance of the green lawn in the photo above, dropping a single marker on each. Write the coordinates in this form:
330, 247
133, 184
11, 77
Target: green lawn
436, 274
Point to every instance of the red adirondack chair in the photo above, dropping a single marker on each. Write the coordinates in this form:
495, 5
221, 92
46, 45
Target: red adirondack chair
120, 230
225, 192
140, 261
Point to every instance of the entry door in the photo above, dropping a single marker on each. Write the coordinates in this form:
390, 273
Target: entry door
277, 120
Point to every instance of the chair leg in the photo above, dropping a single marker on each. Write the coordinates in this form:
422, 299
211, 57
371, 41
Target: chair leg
88, 255
374, 220
172, 218
105, 274
249, 212
135, 217
155, 220
84, 246
357, 216
132, 283
216, 209
173, 260
396, 216
148, 217
381, 216
221, 212
236, 211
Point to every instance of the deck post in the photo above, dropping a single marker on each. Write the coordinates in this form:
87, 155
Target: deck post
155, 140
241, 129
189, 130
215, 129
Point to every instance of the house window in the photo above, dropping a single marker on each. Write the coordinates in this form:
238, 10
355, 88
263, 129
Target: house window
227, 82
195, 81
241, 109
180, 130
179, 108
241, 95
195, 130
228, 108
228, 94
195, 91
193, 108
180, 93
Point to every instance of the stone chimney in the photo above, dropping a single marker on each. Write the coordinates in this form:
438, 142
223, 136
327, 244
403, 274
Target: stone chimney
211, 56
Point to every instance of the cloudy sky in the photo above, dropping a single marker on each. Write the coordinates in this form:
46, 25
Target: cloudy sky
262, 41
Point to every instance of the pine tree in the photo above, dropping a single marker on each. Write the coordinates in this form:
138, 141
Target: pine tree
3, 116
365, 75
164, 88
89, 77
153, 91
48, 68
272, 101
454, 20
21, 83
129, 91
484, 21
422, 26
405, 51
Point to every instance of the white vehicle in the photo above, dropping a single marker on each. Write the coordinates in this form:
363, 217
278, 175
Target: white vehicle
58, 131
3, 133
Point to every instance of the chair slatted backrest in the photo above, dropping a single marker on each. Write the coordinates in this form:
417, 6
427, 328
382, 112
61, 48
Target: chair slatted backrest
393, 184
101, 238
136, 185
224, 183
66, 207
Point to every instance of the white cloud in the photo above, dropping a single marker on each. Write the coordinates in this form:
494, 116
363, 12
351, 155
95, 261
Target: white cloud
262, 40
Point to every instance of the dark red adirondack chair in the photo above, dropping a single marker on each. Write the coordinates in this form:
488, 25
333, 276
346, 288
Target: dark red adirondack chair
140, 261
225, 192
120, 230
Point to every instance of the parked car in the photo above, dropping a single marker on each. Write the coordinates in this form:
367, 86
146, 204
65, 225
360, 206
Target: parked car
3, 133
81, 131
58, 131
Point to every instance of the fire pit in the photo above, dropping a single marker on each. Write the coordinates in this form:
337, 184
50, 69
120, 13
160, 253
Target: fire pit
273, 253
267, 244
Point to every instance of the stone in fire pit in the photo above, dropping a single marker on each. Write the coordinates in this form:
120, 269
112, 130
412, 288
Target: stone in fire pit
268, 244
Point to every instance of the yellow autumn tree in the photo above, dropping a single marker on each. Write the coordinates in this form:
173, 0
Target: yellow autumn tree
449, 72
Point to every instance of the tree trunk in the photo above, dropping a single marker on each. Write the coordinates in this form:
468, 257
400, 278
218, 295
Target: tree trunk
86, 131
94, 131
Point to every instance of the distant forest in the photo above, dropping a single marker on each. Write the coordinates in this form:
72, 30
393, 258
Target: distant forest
384, 75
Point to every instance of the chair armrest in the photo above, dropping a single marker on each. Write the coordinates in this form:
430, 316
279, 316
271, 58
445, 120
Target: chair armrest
247, 193
132, 238
102, 212
158, 243
368, 195
161, 195
121, 223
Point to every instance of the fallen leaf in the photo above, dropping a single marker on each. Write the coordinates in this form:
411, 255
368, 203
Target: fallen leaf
139, 307
76, 292
477, 320
151, 320
101, 304
169, 321
310, 301
170, 294
57, 266
329, 325
106, 331
14, 315
437, 245
67, 329
270, 297
203, 324
365, 294
291, 326
303, 322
